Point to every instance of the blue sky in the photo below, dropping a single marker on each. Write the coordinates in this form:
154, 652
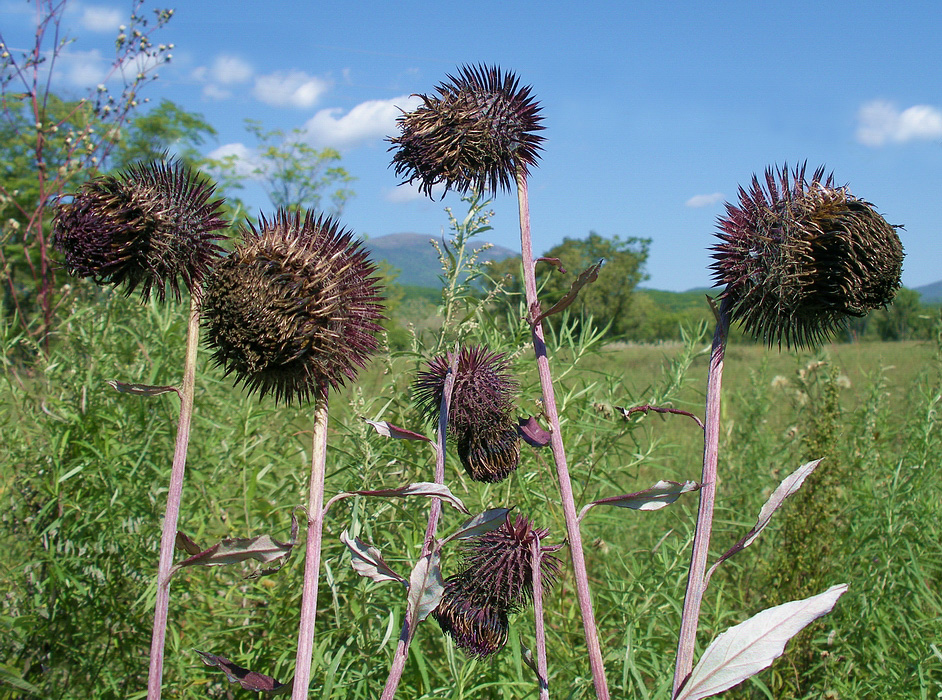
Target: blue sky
655, 112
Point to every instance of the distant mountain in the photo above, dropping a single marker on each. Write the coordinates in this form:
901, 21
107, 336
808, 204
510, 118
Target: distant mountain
930, 293
415, 257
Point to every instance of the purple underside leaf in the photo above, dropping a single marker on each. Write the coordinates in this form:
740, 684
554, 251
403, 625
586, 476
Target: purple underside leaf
588, 275
233, 550
487, 521
789, 485
428, 489
555, 262
744, 650
141, 389
532, 432
425, 587
391, 431
368, 561
250, 680
662, 494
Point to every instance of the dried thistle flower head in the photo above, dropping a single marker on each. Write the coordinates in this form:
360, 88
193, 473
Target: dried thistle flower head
146, 228
476, 134
799, 257
481, 418
497, 579
295, 306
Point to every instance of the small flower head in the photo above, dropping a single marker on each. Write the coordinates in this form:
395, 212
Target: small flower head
799, 257
481, 418
476, 134
294, 307
497, 580
149, 227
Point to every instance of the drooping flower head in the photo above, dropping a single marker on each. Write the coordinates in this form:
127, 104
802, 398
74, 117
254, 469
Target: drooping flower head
799, 257
149, 227
474, 135
481, 418
295, 306
496, 580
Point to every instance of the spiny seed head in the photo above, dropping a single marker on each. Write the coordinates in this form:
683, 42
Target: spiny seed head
476, 134
148, 227
294, 306
497, 580
799, 257
481, 418
483, 387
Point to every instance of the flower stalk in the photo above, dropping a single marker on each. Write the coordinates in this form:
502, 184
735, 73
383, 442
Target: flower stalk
556, 444
174, 496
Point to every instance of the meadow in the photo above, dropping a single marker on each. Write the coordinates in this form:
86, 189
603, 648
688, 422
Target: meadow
83, 480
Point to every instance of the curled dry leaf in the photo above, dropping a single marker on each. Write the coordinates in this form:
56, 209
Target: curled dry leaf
391, 431
487, 521
429, 489
186, 544
662, 494
232, 550
588, 275
141, 389
532, 432
368, 561
250, 680
555, 262
744, 650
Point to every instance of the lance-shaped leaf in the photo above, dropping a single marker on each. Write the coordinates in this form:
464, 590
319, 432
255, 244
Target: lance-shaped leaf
425, 587
789, 486
589, 275
744, 650
141, 389
429, 489
232, 550
250, 680
487, 521
391, 431
663, 493
368, 561
532, 432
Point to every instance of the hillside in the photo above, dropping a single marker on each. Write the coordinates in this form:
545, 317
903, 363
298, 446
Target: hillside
930, 293
415, 257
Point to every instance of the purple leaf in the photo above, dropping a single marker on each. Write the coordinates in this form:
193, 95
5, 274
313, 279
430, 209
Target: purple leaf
532, 432
368, 562
184, 543
662, 494
589, 275
250, 680
391, 431
232, 550
789, 485
425, 587
744, 650
482, 522
555, 262
141, 389
428, 489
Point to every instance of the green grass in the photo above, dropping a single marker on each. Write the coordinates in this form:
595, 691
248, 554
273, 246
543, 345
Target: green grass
83, 483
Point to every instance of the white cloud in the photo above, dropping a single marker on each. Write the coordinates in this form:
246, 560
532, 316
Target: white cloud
880, 122
214, 92
373, 119
409, 192
230, 70
98, 18
292, 88
243, 156
704, 200
83, 68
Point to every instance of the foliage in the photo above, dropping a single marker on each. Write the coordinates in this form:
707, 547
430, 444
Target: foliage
166, 128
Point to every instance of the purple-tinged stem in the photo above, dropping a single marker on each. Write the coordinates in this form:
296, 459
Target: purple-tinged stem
559, 454
312, 555
701, 539
435, 510
540, 628
172, 512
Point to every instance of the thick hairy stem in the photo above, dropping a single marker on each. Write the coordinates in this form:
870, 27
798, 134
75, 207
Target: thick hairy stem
701, 540
408, 626
312, 555
559, 454
172, 513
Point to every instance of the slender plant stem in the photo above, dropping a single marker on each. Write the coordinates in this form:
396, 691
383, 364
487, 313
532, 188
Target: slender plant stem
539, 626
435, 510
312, 555
701, 540
174, 495
559, 454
